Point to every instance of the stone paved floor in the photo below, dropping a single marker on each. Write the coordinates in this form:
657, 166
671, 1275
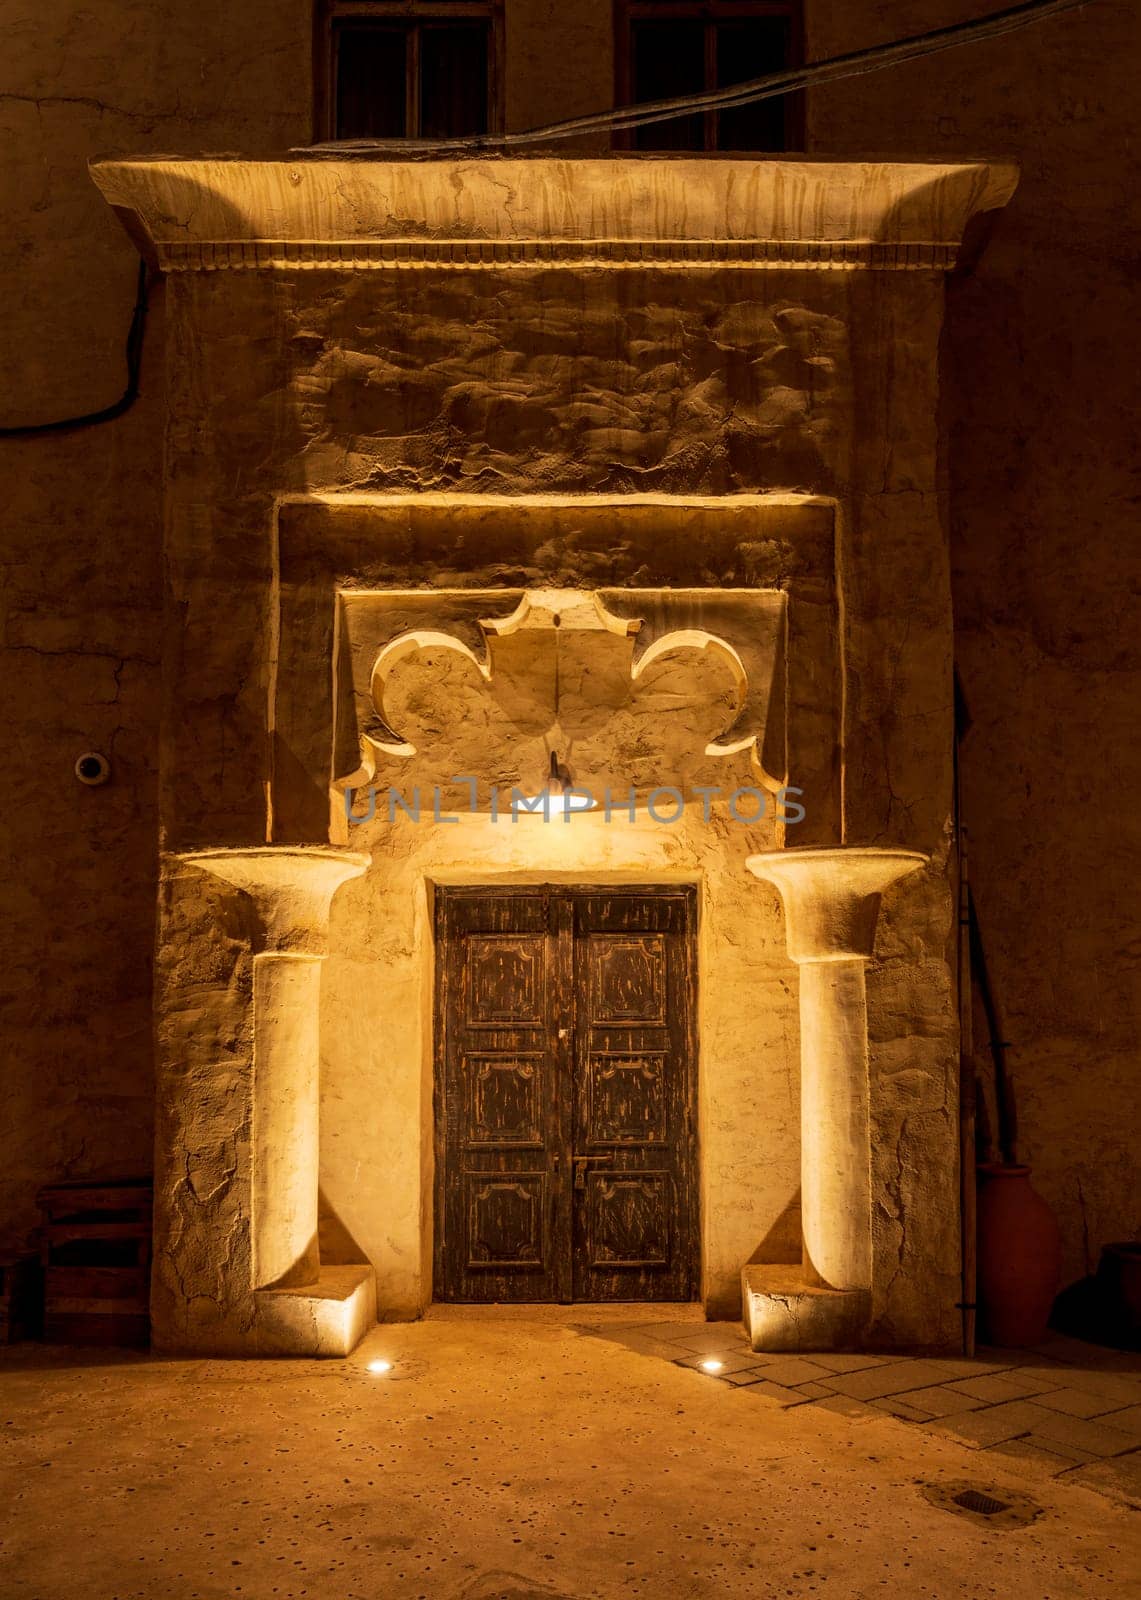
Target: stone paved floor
515, 1457
1066, 1408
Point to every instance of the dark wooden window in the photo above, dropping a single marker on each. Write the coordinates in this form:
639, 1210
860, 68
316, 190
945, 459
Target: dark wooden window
667, 48
389, 69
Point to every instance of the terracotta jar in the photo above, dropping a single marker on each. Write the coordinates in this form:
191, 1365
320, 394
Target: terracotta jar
1019, 1259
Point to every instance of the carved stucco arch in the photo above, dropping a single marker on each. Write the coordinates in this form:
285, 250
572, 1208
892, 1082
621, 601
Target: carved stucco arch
559, 667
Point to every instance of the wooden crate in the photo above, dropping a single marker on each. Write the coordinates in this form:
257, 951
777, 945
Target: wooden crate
21, 1302
95, 1252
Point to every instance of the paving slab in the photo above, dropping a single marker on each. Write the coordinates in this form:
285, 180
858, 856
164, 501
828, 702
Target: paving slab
738, 1380
776, 1392
997, 1387
971, 1367
840, 1361
643, 1347
1094, 1435
1078, 1352
793, 1370
992, 1424
720, 1336
1082, 1403
1123, 1387
671, 1332
896, 1378
1035, 1456
900, 1409
842, 1405
942, 1400
728, 1362
1129, 1419
1075, 1456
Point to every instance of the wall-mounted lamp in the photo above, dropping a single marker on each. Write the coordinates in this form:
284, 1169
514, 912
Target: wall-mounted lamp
559, 798
562, 784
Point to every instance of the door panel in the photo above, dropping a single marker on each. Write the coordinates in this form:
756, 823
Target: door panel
505, 1099
626, 1098
626, 1226
501, 1222
504, 1222
565, 1095
627, 978
504, 980
634, 1101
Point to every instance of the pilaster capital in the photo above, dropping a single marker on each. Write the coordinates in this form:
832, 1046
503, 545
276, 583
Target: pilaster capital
831, 896
292, 888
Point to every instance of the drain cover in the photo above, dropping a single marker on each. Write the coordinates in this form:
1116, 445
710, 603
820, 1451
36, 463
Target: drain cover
985, 1504
1007, 1509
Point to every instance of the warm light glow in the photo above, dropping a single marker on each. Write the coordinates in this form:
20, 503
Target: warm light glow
380, 1366
712, 1365
560, 797
557, 805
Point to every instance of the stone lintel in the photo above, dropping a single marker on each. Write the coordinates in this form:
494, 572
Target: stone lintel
211, 213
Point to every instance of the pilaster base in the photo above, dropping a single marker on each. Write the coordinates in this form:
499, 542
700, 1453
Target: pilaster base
326, 1318
782, 1312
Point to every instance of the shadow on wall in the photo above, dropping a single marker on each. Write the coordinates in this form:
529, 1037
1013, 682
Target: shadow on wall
337, 1246
783, 1245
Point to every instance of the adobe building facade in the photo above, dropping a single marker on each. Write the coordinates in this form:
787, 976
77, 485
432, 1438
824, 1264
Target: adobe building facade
703, 651
690, 474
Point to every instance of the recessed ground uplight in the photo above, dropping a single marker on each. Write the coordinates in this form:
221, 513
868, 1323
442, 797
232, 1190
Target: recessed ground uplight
380, 1366
712, 1365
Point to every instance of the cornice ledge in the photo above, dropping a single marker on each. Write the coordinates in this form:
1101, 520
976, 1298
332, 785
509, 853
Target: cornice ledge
227, 214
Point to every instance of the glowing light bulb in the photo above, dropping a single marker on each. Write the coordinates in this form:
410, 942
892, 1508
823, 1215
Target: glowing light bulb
559, 799
380, 1366
712, 1365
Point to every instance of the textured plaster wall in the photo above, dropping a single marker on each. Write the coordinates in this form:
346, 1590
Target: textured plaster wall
560, 62
544, 383
1044, 445
527, 383
1042, 438
203, 1238
80, 528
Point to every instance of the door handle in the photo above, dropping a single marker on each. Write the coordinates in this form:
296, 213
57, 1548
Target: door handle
580, 1165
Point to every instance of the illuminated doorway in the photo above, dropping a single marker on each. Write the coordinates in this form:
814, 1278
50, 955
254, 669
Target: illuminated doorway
566, 1094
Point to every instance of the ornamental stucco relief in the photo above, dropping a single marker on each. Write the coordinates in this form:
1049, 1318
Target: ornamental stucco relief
631, 697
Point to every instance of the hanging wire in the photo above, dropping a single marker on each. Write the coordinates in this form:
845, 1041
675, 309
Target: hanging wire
134, 353
853, 65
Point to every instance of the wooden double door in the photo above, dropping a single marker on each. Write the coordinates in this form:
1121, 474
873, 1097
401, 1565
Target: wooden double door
566, 1094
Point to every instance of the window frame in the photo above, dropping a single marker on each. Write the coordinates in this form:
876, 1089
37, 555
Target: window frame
710, 12
407, 16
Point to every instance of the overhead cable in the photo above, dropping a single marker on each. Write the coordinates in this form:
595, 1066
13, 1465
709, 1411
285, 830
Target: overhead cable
852, 65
